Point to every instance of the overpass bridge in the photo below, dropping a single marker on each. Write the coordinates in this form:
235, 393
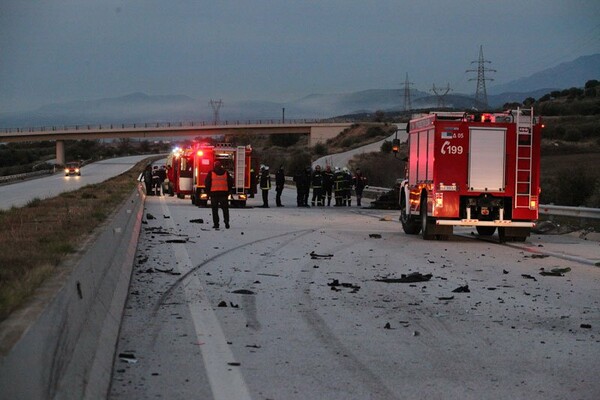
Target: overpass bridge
318, 131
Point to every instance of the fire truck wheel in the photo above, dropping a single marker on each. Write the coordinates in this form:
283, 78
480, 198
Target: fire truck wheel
486, 230
425, 222
409, 223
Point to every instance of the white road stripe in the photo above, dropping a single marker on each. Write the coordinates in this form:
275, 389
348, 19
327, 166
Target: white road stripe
226, 381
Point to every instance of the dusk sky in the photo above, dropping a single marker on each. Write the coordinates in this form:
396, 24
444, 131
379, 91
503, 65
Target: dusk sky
64, 50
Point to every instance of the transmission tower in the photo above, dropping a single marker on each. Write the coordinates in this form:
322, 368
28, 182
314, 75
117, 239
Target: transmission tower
481, 93
216, 106
407, 103
441, 96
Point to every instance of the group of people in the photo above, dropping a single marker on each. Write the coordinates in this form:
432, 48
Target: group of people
328, 183
325, 184
154, 178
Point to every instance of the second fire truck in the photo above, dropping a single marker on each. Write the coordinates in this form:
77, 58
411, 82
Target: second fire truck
479, 170
235, 159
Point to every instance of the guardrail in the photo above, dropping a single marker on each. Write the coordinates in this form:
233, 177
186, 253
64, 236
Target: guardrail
546, 209
25, 175
182, 124
576, 212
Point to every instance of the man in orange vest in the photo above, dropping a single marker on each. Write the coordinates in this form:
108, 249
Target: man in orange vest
218, 184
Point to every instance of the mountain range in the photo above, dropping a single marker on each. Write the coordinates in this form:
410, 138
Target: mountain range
140, 107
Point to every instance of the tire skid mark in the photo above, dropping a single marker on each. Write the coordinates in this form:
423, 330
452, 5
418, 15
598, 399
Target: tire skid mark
183, 277
336, 347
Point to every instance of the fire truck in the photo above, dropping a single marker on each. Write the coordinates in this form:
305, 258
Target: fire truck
180, 171
479, 170
235, 159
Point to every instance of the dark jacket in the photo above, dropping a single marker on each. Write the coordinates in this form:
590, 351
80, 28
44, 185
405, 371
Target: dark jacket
265, 180
279, 178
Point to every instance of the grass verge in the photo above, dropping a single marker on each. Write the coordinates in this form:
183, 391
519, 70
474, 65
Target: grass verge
36, 238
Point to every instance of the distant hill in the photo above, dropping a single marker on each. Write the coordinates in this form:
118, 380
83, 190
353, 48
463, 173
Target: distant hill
563, 76
142, 108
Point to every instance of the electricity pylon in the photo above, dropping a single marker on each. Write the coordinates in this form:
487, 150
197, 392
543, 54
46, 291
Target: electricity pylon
216, 106
441, 96
481, 93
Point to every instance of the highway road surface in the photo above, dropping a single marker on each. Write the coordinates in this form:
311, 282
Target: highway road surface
19, 194
312, 303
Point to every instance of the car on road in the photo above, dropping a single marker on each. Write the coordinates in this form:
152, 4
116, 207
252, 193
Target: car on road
73, 168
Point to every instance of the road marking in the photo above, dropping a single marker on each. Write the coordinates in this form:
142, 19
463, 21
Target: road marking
226, 381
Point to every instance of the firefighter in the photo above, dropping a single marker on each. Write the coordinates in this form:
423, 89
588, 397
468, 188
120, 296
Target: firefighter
155, 181
265, 185
339, 183
253, 181
327, 184
148, 179
219, 183
317, 185
346, 199
279, 184
302, 180
360, 181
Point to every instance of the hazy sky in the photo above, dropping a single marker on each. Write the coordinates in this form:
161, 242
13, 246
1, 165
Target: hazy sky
64, 50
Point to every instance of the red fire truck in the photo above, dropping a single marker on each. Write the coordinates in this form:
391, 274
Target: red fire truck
235, 159
180, 171
479, 170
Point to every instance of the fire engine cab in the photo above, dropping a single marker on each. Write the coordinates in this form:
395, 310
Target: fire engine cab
235, 159
179, 171
479, 170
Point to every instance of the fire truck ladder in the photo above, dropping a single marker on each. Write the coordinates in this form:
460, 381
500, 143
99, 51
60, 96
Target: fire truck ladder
240, 169
523, 170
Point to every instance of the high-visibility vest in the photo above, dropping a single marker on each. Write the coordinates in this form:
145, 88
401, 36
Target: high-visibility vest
219, 183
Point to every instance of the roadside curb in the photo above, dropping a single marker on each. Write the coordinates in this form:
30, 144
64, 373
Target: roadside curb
62, 345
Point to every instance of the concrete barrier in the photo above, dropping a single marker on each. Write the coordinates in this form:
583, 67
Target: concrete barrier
61, 346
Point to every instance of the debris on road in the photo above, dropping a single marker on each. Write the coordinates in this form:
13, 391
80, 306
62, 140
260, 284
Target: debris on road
223, 303
150, 216
128, 358
585, 326
462, 289
555, 271
375, 235
243, 291
407, 278
167, 271
387, 326
197, 221
315, 256
446, 298
336, 283
176, 241
527, 276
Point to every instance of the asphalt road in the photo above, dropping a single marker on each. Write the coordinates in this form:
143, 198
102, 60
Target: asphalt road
19, 194
247, 312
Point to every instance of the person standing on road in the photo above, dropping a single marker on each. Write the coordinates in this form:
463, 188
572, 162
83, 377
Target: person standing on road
265, 185
339, 184
317, 185
360, 181
347, 192
279, 184
219, 184
148, 179
327, 184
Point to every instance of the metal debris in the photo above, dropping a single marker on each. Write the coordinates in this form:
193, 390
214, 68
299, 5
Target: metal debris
555, 271
407, 278
462, 289
315, 256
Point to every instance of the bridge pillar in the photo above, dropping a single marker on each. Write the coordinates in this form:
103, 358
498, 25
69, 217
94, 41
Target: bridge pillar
60, 152
320, 134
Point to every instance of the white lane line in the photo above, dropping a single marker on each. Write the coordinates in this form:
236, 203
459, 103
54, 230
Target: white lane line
226, 380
